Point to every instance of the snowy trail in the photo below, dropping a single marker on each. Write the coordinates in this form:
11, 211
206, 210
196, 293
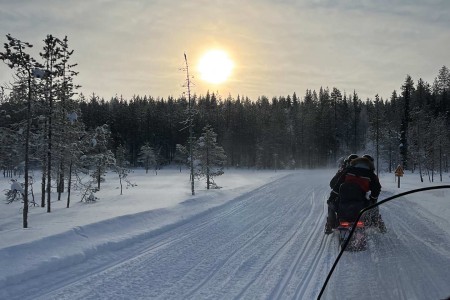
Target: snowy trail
266, 244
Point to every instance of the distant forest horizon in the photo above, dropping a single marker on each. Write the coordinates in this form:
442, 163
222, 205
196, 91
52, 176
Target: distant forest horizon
314, 130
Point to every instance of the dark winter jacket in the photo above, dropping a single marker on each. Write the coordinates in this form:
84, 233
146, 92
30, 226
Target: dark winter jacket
360, 172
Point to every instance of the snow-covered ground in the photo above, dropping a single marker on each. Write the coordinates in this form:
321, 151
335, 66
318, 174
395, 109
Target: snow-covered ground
259, 237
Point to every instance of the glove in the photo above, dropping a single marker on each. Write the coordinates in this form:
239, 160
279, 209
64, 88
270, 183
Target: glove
372, 199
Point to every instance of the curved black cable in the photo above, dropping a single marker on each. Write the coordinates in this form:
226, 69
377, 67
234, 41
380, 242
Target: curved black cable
359, 216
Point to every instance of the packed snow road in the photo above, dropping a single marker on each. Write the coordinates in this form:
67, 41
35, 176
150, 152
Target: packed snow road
265, 244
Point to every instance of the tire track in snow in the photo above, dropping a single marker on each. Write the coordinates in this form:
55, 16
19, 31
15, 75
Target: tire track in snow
296, 276
233, 254
279, 252
299, 259
242, 250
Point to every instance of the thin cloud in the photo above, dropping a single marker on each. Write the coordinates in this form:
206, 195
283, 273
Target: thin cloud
279, 47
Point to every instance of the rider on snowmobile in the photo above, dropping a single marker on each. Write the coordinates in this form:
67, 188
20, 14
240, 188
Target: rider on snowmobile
360, 172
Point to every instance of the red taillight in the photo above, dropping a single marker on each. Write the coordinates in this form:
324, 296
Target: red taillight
345, 224
349, 224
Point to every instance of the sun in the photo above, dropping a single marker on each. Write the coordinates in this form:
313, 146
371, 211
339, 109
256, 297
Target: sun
215, 66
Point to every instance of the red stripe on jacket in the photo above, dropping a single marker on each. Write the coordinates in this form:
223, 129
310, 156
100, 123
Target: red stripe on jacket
363, 182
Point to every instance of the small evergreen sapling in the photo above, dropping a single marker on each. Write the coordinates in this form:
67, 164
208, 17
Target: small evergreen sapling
209, 157
98, 156
122, 168
147, 157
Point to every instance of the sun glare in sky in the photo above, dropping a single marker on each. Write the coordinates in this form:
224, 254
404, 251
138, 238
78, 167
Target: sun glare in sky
215, 66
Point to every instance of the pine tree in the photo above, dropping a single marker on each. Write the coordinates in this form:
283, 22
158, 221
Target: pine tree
355, 125
16, 58
66, 114
407, 93
443, 81
98, 155
74, 149
147, 157
122, 165
190, 123
209, 157
336, 98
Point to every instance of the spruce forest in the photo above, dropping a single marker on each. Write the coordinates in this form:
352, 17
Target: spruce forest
46, 124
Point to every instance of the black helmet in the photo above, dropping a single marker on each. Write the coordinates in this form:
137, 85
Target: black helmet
348, 160
352, 157
368, 157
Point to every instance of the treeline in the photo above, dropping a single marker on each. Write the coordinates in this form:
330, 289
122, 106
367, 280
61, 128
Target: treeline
315, 130
410, 128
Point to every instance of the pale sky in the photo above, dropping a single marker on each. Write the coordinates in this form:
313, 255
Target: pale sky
278, 47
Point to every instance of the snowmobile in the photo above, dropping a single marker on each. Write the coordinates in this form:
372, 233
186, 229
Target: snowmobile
351, 202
